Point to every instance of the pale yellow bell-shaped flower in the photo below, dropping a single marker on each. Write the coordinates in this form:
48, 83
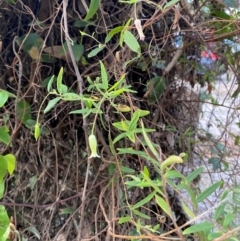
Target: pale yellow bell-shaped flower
93, 146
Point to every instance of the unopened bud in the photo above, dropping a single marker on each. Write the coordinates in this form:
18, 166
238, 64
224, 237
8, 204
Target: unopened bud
93, 146
138, 25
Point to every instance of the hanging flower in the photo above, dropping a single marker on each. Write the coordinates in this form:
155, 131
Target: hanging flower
138, 25
93, 146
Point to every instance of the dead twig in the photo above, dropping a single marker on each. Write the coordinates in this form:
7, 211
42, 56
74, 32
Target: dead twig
80, 85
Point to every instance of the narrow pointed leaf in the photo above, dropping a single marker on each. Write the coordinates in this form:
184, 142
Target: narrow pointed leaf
51, 104
199, 228
144, 201
207, 192
59, 81
163, 205
104, 76
94, 6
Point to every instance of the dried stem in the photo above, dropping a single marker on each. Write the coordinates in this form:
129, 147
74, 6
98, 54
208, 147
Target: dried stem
80, 84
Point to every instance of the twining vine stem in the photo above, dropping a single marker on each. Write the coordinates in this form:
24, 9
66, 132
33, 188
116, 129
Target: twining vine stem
19, 73
80, 84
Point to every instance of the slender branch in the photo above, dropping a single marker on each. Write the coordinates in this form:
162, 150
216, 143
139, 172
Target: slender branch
80, 84
174, 60
19, 73
227, 235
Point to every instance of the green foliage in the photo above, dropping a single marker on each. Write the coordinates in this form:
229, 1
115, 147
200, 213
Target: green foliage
7, 166
11, 1
156, 87
171, 3
94, 6
4, 135
78, 50
31, 44
131, 42
131, 130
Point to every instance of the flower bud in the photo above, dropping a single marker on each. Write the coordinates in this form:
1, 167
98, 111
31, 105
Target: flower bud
138, 25
93, 146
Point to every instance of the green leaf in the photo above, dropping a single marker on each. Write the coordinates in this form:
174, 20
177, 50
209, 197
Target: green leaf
134, 121
236, 92
73, 97
3, 97
51, 104
154, 184
190, 192
45, 82
32, 181
124, 219
64, 89
128, 1
95, 51
194, 174
2, 188
67, 210
4, 221
11, 162
156, 87
113, 32
131, 42
24, 111
3, 167
31, 43
144, 201
82, 24
117, 84
81, 111
174, 174
118, 92
11, 1
149, 143
219, 211
46, 58
187, 210
37, 131
143, 184
34, 231
146, 172
198, 228
221, 14
227, 220
104, 76
171, 3
163, 205
131, 136
59, 81
122, 33
143, 112
78, 50
121, 125
30, 124
119, 137
215, 235
49, 85
111, 169
216, 162
207, 192
127, 170
4, 135
142, 215
94, 6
